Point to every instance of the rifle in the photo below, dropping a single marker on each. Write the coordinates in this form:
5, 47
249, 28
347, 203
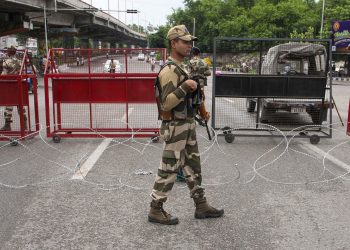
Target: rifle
198, 106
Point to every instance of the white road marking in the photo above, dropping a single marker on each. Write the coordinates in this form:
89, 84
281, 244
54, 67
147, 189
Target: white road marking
313, 149
229, 100
90, 162
129, 112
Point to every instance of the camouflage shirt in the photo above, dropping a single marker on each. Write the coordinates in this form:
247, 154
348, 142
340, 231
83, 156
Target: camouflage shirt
173, 89
197, 67
11, 66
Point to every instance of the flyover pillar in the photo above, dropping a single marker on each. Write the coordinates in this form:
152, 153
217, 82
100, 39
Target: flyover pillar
106, 45
84, 43
96, 44
68, 42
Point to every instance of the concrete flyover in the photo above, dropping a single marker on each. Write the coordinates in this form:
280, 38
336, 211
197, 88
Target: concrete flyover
66, 16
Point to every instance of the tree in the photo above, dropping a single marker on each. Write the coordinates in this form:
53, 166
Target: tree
258, 18
309, 34
158, 39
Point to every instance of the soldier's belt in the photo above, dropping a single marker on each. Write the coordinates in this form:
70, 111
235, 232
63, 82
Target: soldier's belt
169, 116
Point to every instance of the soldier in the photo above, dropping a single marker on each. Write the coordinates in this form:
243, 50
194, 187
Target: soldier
198, 69
11, 66
173, 93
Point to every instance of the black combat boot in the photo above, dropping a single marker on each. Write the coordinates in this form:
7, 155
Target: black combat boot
7, 126
158, 215
204, 210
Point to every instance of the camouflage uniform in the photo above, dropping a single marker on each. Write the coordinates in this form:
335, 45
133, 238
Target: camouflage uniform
181, 148
196, 68
176, 108
11, 66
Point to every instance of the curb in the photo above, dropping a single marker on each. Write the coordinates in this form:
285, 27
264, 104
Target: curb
344, 79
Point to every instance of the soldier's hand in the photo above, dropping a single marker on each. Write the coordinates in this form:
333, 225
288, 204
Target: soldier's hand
207, 117
191, 84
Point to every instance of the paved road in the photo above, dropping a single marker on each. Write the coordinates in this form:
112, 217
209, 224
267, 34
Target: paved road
275, 196
98, 62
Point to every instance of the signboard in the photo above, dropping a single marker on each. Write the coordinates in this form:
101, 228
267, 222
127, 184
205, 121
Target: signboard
341, 36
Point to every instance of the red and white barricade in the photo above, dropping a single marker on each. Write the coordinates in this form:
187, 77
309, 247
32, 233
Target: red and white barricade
89, 95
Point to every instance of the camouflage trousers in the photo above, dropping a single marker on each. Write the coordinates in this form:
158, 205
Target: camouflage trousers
8, 113
180, 152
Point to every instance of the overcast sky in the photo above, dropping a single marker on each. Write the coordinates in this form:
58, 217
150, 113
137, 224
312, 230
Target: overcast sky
151, 11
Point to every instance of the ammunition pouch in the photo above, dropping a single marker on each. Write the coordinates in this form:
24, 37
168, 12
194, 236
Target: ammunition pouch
179, 112
166, 130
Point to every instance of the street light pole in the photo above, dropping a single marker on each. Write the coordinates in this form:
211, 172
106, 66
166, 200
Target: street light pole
323, 4
45, 24
194, 29
108, 14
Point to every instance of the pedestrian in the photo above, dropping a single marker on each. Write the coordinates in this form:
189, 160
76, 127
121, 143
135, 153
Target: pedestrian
199, 70
112, 66
44, 64
178, 130
78, 60
161, 63
41, 61
29, 79
11, 66
153, 64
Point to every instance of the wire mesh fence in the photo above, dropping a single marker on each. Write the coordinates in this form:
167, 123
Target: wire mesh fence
94, 61
285, 83
109, 91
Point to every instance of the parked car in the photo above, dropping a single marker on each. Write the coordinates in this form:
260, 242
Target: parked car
107, 66
141, 57
305, 62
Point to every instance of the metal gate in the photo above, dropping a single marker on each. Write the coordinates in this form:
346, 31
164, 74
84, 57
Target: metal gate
265, 85
101, 92
19, 115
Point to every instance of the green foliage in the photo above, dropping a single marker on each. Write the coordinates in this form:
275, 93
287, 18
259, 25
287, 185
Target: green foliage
253, 18
256, 18
158, 39
309, 34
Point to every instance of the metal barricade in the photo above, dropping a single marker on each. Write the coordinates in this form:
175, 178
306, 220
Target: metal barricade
19, 115
267, 85
102, 92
